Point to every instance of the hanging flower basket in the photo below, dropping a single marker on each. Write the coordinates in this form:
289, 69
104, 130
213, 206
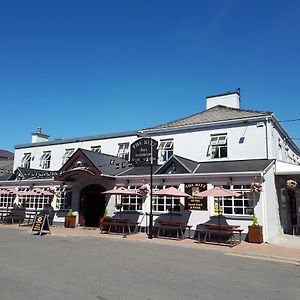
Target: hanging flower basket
256, 187
144, 189
291, 184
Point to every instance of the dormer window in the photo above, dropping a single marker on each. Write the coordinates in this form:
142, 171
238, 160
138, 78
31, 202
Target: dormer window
25, 163
218, 146
123, 151
165, 150
45, 160
67, 155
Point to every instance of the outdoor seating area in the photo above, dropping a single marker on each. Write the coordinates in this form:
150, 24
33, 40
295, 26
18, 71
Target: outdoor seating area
169, 228
119, 226
220, 234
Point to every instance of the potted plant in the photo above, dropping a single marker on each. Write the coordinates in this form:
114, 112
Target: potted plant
104, 221
255, 234
70, 219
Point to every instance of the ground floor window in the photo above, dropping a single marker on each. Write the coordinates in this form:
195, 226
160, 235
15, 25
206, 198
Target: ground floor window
240, 206
131, 203
35, 201
165, 204
6, 200
63, 198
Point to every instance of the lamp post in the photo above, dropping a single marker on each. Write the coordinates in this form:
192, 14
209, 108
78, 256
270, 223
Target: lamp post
151, 191
150, 233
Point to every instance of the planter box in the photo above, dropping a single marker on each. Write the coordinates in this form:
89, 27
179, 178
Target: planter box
70, 221
255, 234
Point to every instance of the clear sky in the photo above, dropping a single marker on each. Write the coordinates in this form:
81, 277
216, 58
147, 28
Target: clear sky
82, 68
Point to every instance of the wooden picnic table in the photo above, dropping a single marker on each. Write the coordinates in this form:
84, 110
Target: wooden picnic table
119, 225
171, 226
220, 230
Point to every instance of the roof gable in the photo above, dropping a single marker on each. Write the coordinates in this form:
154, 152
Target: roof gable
92, 163
177, 165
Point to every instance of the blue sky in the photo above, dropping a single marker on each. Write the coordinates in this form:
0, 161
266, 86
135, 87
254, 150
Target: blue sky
81, 68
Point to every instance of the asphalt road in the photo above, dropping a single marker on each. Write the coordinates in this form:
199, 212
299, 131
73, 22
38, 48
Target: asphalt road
52, 267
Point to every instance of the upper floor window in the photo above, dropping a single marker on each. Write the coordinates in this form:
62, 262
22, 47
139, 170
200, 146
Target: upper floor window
165, 150
123, 151
218, 146
25, 163
96, 149
45, 160
67, 155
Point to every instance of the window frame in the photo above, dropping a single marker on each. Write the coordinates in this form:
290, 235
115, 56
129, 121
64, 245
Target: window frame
166, 204
96, 148
218, 145
123, 150
45, 160
131, 202
165, 150
26, 160
68, 153
237, 203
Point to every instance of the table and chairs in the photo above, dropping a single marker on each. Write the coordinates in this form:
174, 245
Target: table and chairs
169, 228
222, 234
116, 225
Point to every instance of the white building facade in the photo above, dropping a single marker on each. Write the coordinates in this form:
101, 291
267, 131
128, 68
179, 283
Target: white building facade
224, 145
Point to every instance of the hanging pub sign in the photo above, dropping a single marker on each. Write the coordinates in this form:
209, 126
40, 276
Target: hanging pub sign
195, 203
140, 152
40, 224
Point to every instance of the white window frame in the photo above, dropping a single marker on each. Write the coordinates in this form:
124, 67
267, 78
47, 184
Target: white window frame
240, 206
68, 153
96, 148
25, 163
37, 202
217, 145
63, 197
7, 200
165, 150
123, 151
45, 160
166, 204
132, 203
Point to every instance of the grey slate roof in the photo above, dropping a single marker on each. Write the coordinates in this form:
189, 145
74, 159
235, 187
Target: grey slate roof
140, 170
107, 164
258, 165
253, 165
214, 114
25, 173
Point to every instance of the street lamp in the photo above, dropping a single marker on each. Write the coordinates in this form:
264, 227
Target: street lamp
150, 233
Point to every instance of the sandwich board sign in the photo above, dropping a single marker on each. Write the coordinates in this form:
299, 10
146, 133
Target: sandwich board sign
41, 224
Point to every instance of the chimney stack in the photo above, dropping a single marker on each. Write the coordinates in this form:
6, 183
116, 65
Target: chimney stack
230, 99
39, 136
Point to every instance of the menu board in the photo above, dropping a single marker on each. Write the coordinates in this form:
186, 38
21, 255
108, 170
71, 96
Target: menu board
40, 224
194, 202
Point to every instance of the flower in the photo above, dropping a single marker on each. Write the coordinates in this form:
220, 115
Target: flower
256, 187
291, 184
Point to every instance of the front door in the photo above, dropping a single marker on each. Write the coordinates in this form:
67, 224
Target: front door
92, 205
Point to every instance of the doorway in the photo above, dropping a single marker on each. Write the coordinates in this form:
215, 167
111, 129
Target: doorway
92, 205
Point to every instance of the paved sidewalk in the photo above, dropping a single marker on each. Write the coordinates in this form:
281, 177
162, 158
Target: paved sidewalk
284, 248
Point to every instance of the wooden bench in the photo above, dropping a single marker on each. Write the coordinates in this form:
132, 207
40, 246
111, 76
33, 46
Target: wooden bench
169, 228
16, 215
28, 219
123, 226
3, 214
228, 232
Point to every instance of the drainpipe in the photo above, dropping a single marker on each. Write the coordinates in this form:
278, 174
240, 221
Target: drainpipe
264, 209
267, 143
